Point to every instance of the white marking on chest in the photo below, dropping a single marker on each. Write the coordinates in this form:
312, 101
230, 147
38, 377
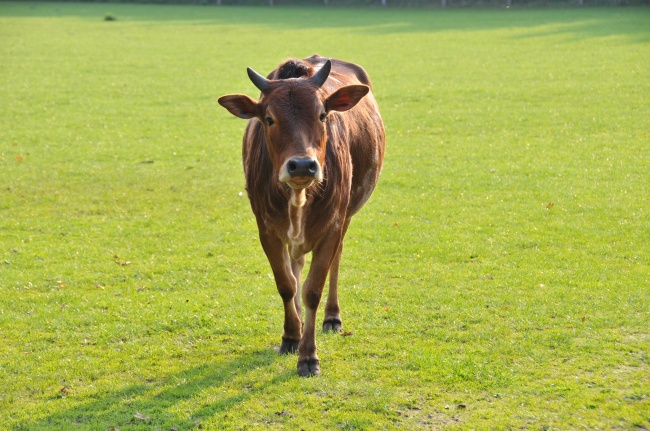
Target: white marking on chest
296, 207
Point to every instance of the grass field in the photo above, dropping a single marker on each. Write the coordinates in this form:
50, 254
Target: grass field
498, 279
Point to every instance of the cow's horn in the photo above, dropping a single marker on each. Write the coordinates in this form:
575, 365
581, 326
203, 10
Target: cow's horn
321, 76
260, 82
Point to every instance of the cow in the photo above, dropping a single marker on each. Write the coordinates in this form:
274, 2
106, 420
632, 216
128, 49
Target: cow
312, 151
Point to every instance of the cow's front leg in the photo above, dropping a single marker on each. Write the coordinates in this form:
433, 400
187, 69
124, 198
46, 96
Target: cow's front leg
322, 257
287, 286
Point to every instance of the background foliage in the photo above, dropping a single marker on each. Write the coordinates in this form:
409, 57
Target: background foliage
498, 279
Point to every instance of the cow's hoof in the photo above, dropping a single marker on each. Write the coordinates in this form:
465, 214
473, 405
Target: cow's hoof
332, 324
288, 346
308, 367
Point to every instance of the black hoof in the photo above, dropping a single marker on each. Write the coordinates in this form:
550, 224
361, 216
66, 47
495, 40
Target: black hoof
308, 367
288, 346
332, 324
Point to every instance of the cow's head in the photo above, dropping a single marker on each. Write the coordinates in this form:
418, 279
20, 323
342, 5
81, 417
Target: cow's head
293, 113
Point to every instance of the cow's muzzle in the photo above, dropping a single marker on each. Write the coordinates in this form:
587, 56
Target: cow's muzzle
305, 167
300, 172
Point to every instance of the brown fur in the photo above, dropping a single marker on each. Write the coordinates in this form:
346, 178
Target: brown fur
349, 146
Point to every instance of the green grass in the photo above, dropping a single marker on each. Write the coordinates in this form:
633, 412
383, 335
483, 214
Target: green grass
498, 279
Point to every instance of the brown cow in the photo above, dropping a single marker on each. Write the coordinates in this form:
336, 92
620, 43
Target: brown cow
311, 162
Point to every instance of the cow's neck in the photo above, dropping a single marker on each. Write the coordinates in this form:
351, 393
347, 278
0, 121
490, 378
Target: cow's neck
296, 212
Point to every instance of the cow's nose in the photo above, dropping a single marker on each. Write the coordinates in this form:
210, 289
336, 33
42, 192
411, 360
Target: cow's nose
302, 167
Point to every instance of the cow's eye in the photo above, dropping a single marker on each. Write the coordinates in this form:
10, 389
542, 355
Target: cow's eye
323, 116
269, 121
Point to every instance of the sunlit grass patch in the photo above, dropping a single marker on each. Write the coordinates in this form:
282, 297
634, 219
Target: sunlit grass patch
497, 279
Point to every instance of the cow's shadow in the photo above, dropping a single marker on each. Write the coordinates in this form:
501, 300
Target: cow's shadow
161, 404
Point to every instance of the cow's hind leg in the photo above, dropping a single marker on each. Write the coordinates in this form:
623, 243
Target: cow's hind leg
332, 320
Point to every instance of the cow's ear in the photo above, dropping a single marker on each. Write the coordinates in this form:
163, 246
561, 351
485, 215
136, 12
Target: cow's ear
239, 105
345, 98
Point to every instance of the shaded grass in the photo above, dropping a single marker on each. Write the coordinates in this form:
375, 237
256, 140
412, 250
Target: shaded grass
497, 279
